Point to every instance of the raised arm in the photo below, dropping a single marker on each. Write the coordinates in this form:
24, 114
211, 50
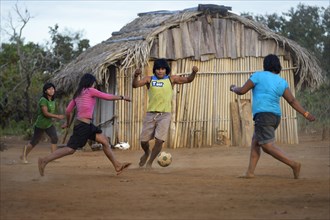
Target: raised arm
244, 89
175, 79
288, 96
143, 81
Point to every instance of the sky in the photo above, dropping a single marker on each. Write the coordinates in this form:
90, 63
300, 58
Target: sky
97, 19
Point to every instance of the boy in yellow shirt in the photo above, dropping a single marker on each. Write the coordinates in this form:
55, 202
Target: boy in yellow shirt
158, 117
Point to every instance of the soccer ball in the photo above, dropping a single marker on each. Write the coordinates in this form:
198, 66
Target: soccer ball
164, 159
122, 145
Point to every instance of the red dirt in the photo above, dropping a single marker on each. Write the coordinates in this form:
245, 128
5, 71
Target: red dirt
199, 184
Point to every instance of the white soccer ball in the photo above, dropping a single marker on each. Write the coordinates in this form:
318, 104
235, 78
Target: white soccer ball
164, 159
122, 145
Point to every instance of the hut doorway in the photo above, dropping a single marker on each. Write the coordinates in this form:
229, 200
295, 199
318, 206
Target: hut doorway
105, 114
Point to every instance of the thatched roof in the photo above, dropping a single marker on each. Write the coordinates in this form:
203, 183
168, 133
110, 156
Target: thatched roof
132, 45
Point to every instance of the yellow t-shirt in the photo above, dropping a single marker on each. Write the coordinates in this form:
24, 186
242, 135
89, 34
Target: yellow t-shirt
160, 95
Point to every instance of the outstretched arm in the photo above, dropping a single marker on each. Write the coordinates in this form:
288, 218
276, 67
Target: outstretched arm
107, 96
138, 83
175, 79
47, 114
244, 89
287, 95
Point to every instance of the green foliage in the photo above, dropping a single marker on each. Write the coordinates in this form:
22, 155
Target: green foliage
25, 67
24, 70
16, 128
326, 42
305, 27
273, 21
65, 47
13, 83
318, 103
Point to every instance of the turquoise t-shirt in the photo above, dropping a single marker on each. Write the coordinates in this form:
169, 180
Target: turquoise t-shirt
42, 121
267, 91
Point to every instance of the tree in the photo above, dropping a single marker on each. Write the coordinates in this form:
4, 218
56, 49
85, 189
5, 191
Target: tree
326, 42
65, 47
25, 67
27, 56
305, 26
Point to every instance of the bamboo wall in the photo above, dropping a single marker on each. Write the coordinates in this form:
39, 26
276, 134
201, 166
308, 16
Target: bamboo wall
201, 109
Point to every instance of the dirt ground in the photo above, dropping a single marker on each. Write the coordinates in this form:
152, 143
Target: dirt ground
199, 184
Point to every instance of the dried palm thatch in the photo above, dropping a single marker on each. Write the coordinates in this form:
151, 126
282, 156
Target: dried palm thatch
308, 69
131, 47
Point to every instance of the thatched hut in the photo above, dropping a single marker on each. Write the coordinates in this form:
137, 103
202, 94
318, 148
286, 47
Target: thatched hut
226, 47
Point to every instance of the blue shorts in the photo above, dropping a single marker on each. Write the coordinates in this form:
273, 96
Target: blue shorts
82, 132
265, 124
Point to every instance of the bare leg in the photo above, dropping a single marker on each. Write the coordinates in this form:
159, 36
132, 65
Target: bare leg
278, 154
60, 152
53, 148
254, 158
144, 158
155, 151
26, 150
119, 167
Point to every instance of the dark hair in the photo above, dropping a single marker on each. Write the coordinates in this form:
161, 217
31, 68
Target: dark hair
86, 81
161, 63
272, 63
44, 89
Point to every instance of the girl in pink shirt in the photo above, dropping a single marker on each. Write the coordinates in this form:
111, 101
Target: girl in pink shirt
84, 101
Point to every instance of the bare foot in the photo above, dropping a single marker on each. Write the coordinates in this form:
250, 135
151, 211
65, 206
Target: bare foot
296, 170
23, 156
123, 166
149, 166
143, 159
23, 160
41, 165
246, 175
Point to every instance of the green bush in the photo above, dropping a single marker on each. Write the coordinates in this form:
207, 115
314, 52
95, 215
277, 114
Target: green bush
318, 103
17, 128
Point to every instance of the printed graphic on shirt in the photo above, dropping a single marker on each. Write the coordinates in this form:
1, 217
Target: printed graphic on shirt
157, 84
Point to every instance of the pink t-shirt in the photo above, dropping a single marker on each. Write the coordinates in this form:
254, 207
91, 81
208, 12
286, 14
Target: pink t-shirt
85, 102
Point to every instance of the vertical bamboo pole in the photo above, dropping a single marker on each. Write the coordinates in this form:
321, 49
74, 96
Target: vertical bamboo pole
181, 110
196, 95
200, 109
188, 102
209, 111
173, 110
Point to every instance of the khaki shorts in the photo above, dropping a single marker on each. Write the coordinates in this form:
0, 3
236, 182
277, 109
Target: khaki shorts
155, 125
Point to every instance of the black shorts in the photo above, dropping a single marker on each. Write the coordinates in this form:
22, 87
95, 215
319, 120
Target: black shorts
38, 132
82, 132
265, 124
